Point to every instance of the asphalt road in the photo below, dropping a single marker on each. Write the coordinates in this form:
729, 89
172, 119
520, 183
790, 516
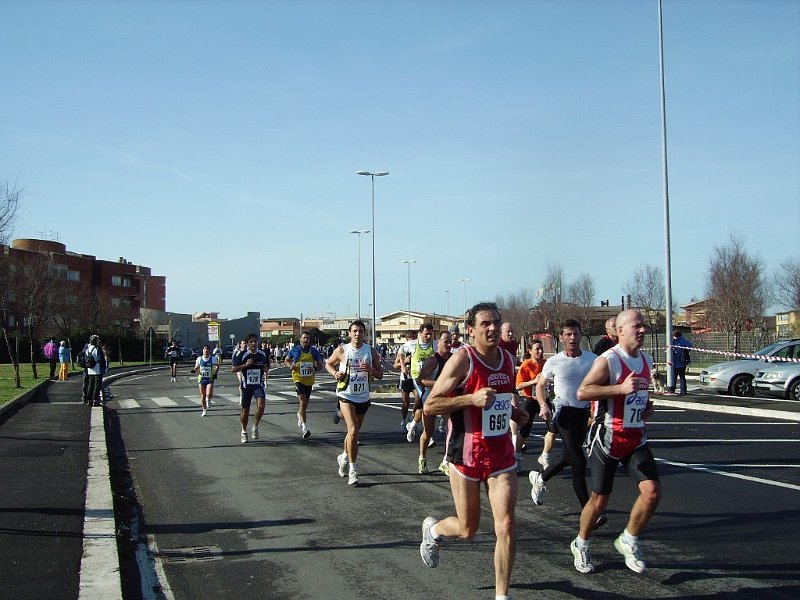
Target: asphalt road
272, 519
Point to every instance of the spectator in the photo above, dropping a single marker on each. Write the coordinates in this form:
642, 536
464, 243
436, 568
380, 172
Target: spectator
63, 359
50, 351
681, 358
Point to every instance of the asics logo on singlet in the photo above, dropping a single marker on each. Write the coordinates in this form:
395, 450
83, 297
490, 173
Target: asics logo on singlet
635, 399
502, 404
496, 380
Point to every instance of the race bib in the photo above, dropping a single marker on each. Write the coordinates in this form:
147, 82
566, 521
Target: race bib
497, 417
205, 372
253, 377
635, 405
306, 369
359, 383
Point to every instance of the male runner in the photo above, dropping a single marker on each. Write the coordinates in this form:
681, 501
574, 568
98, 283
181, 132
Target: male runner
206, 367
609, 340
353, 365
617, 387
527, 378
476, 388
455, 336
508, 340
566, 370
173, 353
402, 361
428, 374
303, 360
253, 365
419, 351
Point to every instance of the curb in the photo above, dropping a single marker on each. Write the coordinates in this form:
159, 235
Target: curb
732, 410
13, 405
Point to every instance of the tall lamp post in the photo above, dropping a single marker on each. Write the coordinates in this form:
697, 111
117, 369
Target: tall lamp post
409, 263
464, 280
359, 232
373, 176
448, 302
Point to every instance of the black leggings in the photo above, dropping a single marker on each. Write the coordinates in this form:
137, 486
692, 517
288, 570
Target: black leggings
572, 423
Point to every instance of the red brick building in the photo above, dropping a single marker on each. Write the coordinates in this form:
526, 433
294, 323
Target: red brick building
125, 285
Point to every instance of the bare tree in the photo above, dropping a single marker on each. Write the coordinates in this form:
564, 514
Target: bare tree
7, 283
647, 294
581, 294
787, 284
34, 293
516, 309
552, 306
9, 201
736, 289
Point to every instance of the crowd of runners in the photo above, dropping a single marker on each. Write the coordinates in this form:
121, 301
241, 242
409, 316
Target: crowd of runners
486, 400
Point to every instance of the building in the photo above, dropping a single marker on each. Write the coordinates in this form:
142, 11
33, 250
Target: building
394, 327
76, 278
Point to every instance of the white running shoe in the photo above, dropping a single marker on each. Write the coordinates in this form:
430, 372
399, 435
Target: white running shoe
352, 479
583, 558
429, 548
545, 462
204, 413
538, 489
431, 443
244, 437
305, 431
411, 431
445, 468
341, 460
633, 558
255, 432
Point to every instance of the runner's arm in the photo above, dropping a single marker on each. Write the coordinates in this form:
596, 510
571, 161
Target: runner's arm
595, 385
440, 402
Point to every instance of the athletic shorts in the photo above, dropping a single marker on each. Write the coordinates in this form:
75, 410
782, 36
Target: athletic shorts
640, 463
173, 361
406, 385
532, 408
361, 407
302, 389
259, 393
485, 471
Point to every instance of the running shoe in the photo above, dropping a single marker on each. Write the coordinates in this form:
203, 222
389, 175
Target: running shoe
431, 442
204, 413
445, 468
336, 417
538, 489
411, 431
255, 432
429, 548
305, 431
341, 460
422, 466
633, 558
545, 462
519, 463
244, 437
352, 479
403, 424
583, 558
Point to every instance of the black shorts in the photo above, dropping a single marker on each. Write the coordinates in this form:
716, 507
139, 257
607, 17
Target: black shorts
406, 385
259, 393
173, 361
302, 389
532, 408
640, 463
361, 407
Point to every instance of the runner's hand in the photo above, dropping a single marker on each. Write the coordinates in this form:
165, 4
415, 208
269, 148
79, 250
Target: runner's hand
484, 397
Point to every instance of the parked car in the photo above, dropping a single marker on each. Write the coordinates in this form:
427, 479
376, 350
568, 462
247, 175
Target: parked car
779, 379
186, 353
735, 377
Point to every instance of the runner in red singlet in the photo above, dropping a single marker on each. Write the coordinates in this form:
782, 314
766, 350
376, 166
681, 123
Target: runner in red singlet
476, 388
617, 386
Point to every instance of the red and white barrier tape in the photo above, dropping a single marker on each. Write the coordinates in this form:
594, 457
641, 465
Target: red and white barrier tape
738, 354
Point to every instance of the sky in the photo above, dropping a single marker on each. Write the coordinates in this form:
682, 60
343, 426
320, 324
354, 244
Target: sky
218, 143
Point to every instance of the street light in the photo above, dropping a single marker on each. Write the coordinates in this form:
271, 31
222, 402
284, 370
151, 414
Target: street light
464, 280
359, 232
409, 263
373, 176
448, 302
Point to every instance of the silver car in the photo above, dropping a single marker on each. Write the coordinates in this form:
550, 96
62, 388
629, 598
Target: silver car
779, 379
735, 377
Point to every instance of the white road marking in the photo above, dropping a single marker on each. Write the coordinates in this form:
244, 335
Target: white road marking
164, 401
706, 469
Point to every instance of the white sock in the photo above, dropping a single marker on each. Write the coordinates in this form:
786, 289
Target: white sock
546, 455
581, 543
353, 468
628, 538
434, 535
344, 456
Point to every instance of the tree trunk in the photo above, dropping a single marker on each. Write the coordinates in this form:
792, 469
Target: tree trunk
33, 355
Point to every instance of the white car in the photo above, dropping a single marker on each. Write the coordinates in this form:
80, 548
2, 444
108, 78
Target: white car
735, 377
779, 379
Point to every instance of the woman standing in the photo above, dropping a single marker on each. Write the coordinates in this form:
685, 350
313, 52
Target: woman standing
63, 360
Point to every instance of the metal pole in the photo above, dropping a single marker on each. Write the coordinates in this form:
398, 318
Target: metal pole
374, 331
667, 252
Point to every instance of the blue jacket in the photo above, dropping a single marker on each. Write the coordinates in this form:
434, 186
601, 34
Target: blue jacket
677, 352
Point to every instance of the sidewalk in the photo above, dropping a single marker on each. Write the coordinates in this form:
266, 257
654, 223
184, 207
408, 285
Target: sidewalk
57, 534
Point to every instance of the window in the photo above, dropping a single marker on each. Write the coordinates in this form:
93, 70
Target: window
116, 280
73, 275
